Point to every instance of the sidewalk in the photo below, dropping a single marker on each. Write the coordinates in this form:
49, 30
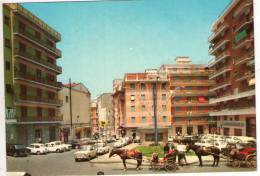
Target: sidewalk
104, 159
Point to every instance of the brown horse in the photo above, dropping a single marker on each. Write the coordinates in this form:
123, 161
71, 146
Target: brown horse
200, 151
128, 154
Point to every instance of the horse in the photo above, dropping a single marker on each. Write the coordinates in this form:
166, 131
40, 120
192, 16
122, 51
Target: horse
128, 154
200, 151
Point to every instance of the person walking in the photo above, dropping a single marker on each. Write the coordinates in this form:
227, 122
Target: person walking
166, 148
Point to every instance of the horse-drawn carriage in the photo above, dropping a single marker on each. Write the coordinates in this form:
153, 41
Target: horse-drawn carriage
236, 157
168, 162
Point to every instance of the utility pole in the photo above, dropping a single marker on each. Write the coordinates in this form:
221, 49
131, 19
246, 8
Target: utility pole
72, 134
155, 113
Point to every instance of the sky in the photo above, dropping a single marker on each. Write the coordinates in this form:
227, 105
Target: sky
101, 41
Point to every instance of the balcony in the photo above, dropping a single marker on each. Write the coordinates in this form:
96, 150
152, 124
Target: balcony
190, 73
219, 59
232, 97
218, 32
220, 85
244, 59
219, 72
228, 123
218, 46
37, 100
192, 83
244, 24
189, 103
37, 80
37, 41
190, 113
40, 119
36, 60
246, 76
244, 9
244, 39
189, 93
238, 111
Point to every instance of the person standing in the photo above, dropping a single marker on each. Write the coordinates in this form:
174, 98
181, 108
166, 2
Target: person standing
166, 148
181, 148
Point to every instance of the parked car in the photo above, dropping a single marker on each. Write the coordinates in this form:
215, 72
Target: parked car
232, 139
204, 143
85, 141
37, 148
67, 147
75, 144
137, 139
119, 143
246, 139
86, 153
220, 145
102, 148
171, 138
17, 150
53, 147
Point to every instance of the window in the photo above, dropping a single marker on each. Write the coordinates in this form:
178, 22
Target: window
22, 47
38, 133
133, 108
189, 108
23, 111
142, 86
132, 119
163, 86
164, 118
200, 108
188, 78
132, 97
50, 43
177, 78
38, 54
8, 88
39, 93
177, 99
23, 90
236, 118
50, 60
51, 95
67, 99
132, 86
7, 43
163, 96
22, 26
38, 35
39, 112
188, 87
225, 118
177, 109
143, 119
164, 107
143, 107
7, 20
51, 112
142, 96
7, 65
38, 73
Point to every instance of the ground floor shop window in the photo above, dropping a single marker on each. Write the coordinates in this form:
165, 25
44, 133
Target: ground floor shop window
150, 136
200, 129
52, 132
38, 135
237, 132
226, 131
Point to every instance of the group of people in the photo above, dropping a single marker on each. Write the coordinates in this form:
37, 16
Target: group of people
171, 151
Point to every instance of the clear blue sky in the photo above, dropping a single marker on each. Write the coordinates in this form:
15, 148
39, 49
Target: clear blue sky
103, 40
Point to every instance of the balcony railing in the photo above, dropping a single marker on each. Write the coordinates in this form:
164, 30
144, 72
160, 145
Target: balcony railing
243, 94
184, 93
32, 77
218, 46
247, 39
190, 73
245, 58
37, 99
190, 113
220, 85
192, 83
244, 24
219, 72
218, 32
37, 60
237, 111
187, 104
38, 41
39, 118
219, 58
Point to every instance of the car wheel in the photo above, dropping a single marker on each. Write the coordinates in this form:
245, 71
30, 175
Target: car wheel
76, 159
15, 154
38, 153
58, 150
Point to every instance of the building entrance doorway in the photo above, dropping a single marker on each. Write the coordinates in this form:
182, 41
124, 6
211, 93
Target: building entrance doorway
178, 131
200, 129
189, 130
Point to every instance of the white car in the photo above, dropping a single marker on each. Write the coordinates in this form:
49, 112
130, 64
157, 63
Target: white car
86, 153
220, 145
204, 143
232, 139
246, 139
171, 138
52, 147
38, 148
102, 148
119, 143
66, 147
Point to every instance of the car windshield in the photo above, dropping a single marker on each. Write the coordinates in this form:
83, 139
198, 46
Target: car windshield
19, 146
86, 148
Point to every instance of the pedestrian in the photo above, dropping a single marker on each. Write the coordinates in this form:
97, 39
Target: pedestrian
166, 148
181, 148
100, 173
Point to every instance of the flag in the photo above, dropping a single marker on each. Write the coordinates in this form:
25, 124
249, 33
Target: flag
201, 99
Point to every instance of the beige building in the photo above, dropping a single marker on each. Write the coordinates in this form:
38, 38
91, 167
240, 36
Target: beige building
76, 111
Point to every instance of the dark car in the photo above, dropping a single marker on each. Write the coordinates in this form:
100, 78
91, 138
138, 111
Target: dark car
17, 150
75, 144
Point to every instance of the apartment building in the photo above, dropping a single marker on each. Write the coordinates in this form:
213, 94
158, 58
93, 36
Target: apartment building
138, 118
189, 86
105, 115
232, 45
94, 118
76, 111
31, 87
118, 106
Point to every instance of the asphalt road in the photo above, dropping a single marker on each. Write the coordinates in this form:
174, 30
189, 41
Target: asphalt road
64, 164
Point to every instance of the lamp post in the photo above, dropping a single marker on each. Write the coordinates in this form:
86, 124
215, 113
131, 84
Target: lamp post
155, 113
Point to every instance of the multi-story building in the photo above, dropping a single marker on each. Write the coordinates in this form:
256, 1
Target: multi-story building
190, 107
232, 44
139, 91
94, 118
31, 87
118, 105
76, 111
105, 115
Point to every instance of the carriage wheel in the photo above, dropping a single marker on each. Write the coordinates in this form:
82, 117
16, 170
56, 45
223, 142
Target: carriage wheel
236, 163
253, 162
168, 167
